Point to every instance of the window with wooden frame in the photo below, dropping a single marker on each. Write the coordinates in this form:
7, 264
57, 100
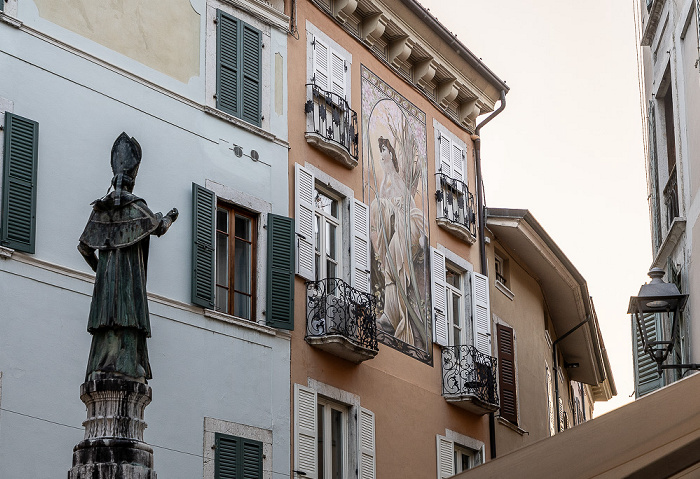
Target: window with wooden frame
327, 234
332, 440
235, 259
506, 373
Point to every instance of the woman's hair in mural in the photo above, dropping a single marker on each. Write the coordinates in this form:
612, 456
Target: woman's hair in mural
384, 144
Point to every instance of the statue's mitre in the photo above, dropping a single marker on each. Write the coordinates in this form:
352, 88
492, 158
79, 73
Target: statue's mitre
126, 156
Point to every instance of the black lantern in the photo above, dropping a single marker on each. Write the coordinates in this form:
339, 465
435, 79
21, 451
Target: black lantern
659, 297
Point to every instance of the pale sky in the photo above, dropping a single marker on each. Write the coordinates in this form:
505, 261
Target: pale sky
568, 146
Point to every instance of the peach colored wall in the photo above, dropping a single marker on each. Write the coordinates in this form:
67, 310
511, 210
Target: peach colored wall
527, 315
404, 393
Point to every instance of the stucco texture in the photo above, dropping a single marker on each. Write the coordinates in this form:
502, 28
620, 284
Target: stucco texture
161, 34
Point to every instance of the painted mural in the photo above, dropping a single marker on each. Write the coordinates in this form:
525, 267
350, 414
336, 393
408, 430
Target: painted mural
395, 158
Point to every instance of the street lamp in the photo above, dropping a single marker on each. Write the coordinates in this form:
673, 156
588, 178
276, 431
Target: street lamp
659, 297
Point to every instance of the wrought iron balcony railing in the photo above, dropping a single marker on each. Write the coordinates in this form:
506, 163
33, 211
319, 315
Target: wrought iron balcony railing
455, 203
466, 372
671, 197
334, 308
332, 119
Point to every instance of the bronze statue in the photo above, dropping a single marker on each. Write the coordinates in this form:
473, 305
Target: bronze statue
120, 227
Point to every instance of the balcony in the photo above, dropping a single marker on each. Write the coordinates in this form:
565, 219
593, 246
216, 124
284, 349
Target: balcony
455, 208
671, 198
341, 320
469, 379
331, 125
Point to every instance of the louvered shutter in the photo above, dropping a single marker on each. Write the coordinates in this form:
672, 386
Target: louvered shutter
562, 425
368, 469
445, 155
457, 162
237, 458
322, 74
304, 216
203, 242
305, 431
550, 402
506, 376
337, 66
654, 180
252, 73
440, 321
481, 313
228, 66
646, 373
359, 252
18, 229
280, 272
445, 457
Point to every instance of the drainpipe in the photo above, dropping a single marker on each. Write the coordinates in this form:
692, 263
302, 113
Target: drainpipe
482, 232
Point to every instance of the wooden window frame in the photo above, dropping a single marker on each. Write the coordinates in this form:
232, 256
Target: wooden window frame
233, 211
341, 233
330, 405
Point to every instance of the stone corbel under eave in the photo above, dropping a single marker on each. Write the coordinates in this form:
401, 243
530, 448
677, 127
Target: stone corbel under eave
342, 9
670, 242
399, 51
468, 111
446, 92
424, 71
372, 28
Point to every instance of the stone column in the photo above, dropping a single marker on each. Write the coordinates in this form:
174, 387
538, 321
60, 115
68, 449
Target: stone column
113, 447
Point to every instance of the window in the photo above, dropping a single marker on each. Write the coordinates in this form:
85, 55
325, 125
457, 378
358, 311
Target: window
20, 160
457, 453
455, 306
237, 458
456, 294
235, 451
455, 203
322, 234
332, 430
235, 260
506, 373
322, 429
239, 68
225, 241
327, 234
500, 270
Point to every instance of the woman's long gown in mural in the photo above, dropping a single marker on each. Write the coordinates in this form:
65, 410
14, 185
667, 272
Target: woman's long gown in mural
396, 239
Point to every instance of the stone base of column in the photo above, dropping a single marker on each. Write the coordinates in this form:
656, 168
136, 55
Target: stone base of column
113, 447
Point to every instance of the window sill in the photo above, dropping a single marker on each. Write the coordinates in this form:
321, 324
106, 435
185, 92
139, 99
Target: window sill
335, 151
261, 328
456, 229
13, 22
6, 253
244, 125
512, 426
670, 242
504, 289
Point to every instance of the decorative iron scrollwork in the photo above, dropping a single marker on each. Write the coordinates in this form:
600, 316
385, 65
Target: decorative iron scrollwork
456, 195
333, 118
468, 372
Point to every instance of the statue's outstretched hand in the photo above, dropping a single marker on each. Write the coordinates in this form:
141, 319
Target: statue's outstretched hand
173, 214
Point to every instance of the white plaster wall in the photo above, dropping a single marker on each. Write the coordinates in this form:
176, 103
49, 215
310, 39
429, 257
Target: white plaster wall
203, 367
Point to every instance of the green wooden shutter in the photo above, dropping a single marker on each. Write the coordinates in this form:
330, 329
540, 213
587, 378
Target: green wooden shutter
646, 373
280, 272
252, 72
237, 458
506, 363
228, 64
203, 240
18, 228
239, 68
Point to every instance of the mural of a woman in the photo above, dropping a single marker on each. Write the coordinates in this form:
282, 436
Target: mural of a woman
397, 238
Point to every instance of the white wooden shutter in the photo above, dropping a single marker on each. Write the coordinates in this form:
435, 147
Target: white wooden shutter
445, 457
359, 248
368, 469
457, 162
321, 64
445, 155
481, 313
305, 431
439, 282
304, 216
337, 68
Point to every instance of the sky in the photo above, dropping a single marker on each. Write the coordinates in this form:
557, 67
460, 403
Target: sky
568, 146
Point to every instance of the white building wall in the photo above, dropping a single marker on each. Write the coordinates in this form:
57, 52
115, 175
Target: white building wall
84, 95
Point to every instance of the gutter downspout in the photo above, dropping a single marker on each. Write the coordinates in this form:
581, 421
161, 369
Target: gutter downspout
482, 232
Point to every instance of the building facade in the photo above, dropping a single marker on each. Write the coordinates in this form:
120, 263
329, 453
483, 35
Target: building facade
553, 365
669, 52
202, 87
